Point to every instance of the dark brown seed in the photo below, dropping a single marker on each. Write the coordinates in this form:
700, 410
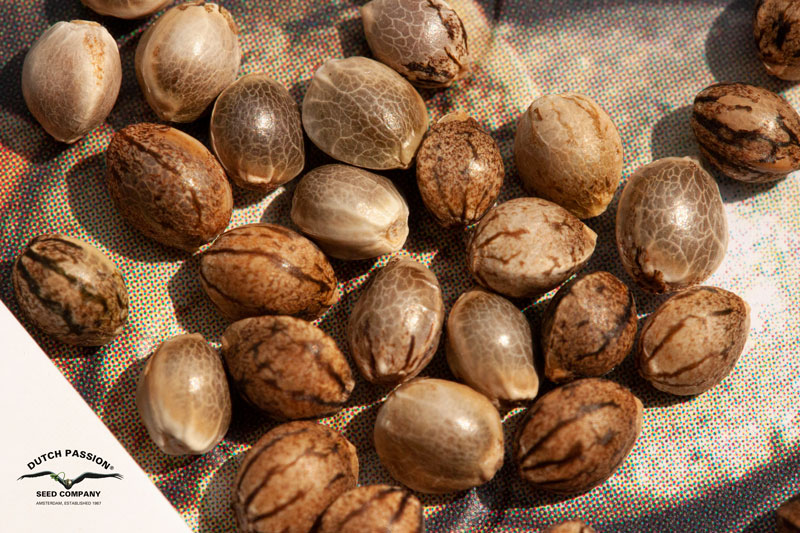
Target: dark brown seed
574, 437
70, 290
291, 475
776, 28
573, 526
168, 185
373, 508
693, 341
266, 269
459, 171
588, 328
286, 367
748, 133
396, 324
789, 516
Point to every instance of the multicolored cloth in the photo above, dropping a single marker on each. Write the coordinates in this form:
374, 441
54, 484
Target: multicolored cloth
721, 461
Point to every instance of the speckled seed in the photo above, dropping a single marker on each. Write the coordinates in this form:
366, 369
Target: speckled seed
394, 328
776, 28
183, 396
373, 508
588, 328
186, 58
459, 171
70, 290
71, 78
266, 269
438, 436
286, 367
693, 340
528, 246
363, 113
568, 151
126, 9
672, 231
424, 40
168, 185
256, 133
291, 475
489, 347
789, 516
574, 437
573, 526
350, 213
746, 132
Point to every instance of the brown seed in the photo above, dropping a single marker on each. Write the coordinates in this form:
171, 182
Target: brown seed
168, 185
573, 526
574, 437
672, 231
126, 9
746, 132
286, 367
528, 246
266, 269
395, 325
373, 508
776, 28
291, 475
789, 516
568, 151
70, 290
693, 340
459, 171
588, 328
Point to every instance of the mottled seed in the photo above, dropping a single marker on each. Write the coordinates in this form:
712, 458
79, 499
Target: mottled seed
789, 516
373, 508
291, 475
286, 367
672, 231
168, 185
126, 9
588, 328
693, 340
256, 133
363, 113
568, 151
70, 290
424, 40
186, 58
395, 326
528, 246
459, 171
438, 436
489, 347
572, 526
183, 396
266, 269
746, 132
71, 78
350, 213
776, 28
576, 436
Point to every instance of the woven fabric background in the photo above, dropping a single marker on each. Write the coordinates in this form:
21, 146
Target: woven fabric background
721, 461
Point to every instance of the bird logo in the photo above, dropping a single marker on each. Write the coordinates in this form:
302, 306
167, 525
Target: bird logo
69, 483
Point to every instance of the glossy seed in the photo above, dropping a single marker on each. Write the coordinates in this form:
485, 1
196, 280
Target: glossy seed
672, 231
776, 28
693, 340
373, 508
789, 516
126, 9
70, 290
572, 526
286, 367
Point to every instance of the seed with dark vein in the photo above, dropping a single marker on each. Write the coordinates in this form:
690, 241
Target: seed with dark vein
395, 326
776, 28
373, 508
167, 185
266, 269
588, 328
748, 133
291, 475
286, 367
693, 341
459, 170
527, 246
572, 526
789, 516
576, 436
70, 290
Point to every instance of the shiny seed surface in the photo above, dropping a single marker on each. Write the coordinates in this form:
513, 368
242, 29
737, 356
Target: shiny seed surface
572, 526
776, 28
126, 9
374, 508
789, 516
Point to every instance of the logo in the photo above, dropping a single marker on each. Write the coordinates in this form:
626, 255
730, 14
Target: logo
68, 483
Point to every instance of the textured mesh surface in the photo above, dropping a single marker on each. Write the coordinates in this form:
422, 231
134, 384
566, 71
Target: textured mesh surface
718, 462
